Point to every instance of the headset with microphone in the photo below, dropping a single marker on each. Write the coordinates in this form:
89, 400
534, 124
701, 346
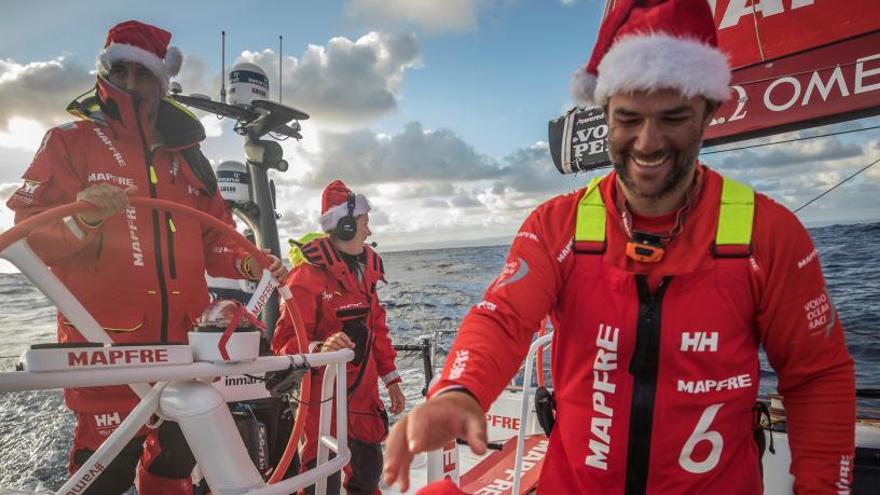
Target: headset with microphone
346, 227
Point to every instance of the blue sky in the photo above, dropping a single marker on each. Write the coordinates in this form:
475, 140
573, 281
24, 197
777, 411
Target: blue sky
437, 110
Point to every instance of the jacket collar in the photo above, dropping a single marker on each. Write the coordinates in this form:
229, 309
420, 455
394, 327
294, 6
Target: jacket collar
107, 105
320, 252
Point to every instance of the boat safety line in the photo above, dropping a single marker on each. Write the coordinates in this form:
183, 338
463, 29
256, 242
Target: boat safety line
835, 186
792, 140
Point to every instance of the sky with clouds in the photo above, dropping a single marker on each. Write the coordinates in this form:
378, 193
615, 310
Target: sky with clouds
436, 110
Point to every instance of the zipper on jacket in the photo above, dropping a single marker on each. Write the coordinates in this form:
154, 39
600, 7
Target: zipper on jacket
172, 265
157, 239
643, 367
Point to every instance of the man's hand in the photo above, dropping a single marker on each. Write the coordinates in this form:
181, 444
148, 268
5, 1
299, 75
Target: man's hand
336, 342
107, 198
276, 268
398, 400
430, 426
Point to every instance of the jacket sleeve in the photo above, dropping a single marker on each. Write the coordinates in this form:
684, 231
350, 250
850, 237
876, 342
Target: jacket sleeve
804, 341
305, 291
53, 179
496, 333
223, 257
383, 350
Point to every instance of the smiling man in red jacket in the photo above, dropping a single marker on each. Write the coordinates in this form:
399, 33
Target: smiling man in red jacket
140, 273
662, 279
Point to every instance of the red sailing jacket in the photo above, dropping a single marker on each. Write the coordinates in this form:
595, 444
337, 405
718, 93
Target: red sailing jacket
655, 365
332, 299
142, 273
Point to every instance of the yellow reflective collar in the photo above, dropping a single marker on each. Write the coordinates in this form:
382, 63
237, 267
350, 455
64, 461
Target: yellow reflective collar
735, 217
590, 225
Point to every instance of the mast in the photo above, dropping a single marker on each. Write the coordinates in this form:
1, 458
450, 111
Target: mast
222, 66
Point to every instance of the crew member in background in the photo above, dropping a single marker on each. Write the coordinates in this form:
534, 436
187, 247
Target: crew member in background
662, 279
139, 272
333, 282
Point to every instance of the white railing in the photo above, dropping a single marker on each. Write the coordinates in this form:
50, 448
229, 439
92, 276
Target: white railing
179, 395
527, 390
182, 392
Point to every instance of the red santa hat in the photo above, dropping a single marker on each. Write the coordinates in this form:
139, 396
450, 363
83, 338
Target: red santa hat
334, 204
133, 41
646, 45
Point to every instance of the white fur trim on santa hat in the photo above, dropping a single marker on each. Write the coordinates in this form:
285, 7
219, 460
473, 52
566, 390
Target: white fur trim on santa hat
164, 70
582, 85
657, 61
333, 215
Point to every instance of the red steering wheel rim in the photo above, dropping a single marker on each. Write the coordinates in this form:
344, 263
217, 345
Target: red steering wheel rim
33, 223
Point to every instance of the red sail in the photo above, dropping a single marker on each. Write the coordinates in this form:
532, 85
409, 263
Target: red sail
797, 64
753, 31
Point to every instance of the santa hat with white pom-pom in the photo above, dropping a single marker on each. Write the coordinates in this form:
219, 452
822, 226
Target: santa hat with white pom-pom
133, 41
647, 45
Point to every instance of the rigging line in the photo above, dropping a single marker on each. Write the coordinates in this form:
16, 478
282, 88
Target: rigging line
757, 31
835, 186
792, 140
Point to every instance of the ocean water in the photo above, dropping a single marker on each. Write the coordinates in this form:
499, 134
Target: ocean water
428, 291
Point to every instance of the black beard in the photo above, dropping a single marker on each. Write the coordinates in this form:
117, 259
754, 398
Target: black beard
683, 162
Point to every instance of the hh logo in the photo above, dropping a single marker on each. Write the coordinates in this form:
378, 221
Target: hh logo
106, 420
699, 341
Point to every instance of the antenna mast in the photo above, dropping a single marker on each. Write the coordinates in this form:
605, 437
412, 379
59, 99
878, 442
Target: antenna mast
222, 66
280, 65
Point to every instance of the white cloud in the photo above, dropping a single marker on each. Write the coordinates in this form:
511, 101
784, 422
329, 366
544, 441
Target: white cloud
345, 82
6, 190
23, 134
415, 155
531, 170
13, 162
213, 126
795, 173
196, 76
430, 15
40, 90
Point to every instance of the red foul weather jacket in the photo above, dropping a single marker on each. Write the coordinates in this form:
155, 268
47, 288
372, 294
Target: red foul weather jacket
332, 298
655, 366
141, 274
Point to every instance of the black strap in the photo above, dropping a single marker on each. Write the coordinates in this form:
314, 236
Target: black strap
201, 168
545, 408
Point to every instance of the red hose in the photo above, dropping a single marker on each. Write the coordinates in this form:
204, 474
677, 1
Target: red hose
305, 393
26, 227
539, 360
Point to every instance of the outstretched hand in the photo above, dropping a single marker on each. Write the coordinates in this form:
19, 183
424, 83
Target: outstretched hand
430, 426
337, 341
276, 268
107, 199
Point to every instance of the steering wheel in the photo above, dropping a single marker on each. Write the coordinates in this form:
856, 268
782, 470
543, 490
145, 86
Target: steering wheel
21, 230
